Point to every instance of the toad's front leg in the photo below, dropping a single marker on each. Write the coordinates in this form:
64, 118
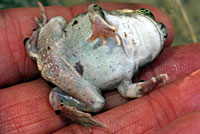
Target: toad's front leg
135, 90
100, 27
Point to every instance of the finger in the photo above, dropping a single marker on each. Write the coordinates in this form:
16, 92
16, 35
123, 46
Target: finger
187, 124
177, 62
25, 109
17, 24
151, 112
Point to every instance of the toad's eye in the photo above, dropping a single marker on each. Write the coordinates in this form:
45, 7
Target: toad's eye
143, 10
100, 9
95, 6
146, 12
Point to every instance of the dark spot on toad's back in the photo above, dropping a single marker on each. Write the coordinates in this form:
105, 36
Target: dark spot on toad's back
61, 105
162, 26
161, 51
75, 22
92, 102
165, 36
125, 35
25, 40
74, 55
48, 48
65, 31
96, 46
79, 68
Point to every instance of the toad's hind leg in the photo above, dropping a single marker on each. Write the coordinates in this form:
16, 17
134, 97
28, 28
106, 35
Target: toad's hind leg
76, 93
66, 107
134, 90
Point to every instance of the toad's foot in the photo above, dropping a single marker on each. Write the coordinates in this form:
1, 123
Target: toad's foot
31, 43
135, 90
62, 104
84, 119
101, 28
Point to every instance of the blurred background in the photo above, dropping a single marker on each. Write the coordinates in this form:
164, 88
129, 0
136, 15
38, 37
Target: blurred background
184, 13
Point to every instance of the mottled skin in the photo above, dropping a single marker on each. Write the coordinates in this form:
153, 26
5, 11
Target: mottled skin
96, 51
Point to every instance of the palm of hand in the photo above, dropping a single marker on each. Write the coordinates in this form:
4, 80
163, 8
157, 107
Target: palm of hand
25, 108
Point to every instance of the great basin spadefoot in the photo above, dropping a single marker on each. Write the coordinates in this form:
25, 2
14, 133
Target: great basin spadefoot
97, 50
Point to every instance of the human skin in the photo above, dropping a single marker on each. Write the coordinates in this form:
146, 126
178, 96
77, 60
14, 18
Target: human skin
24, 106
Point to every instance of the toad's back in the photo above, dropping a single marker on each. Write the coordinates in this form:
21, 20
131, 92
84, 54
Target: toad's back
95, 50
106, 65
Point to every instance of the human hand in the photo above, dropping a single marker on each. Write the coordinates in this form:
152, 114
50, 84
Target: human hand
24, 107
